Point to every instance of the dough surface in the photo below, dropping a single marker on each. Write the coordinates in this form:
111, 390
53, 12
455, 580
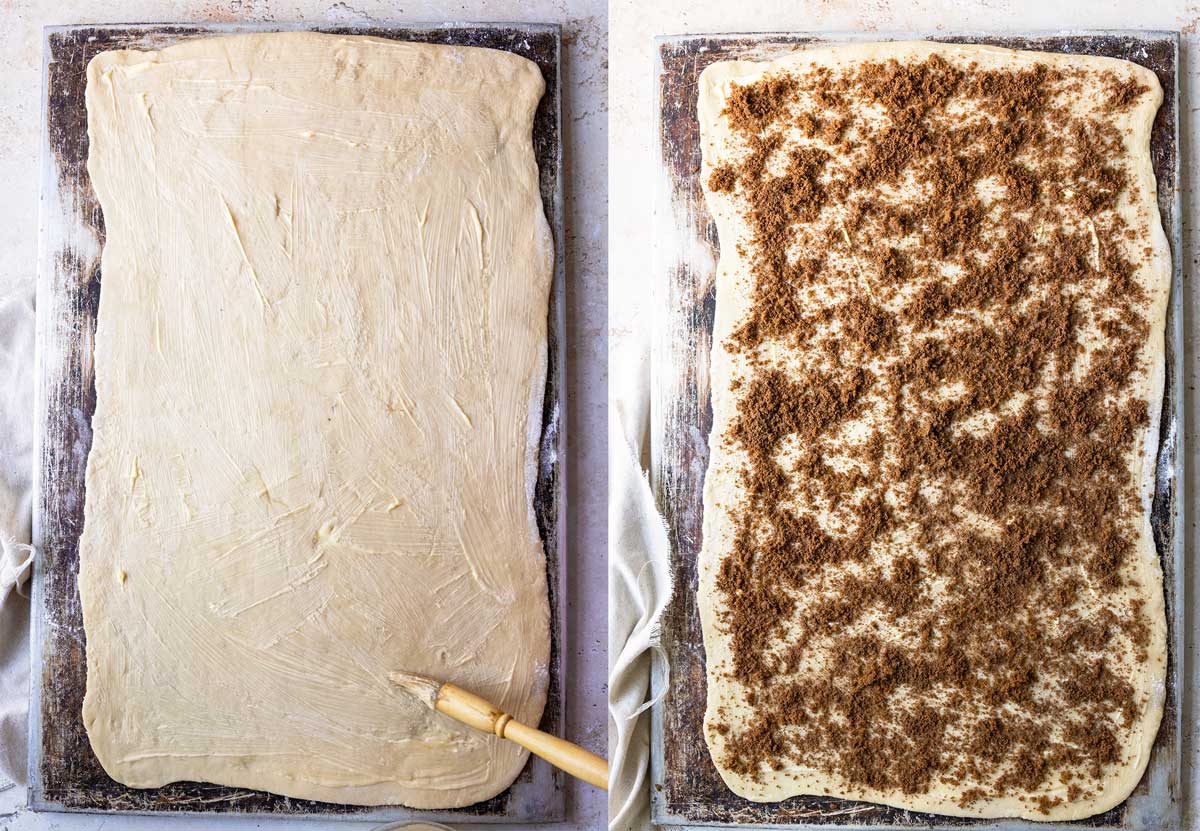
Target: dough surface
729, 716
320, 364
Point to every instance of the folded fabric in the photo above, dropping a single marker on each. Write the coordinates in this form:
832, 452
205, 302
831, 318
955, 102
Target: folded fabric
16, 555
639, 588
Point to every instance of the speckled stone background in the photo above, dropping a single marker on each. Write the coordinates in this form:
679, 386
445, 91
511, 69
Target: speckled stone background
584, 66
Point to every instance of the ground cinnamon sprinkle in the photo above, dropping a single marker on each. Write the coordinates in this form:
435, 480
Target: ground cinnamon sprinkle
948, 328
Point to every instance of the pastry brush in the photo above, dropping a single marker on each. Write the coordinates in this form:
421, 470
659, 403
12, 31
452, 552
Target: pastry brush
481, 714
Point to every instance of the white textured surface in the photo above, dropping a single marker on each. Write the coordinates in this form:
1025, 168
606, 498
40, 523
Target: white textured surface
634, 170
584, 122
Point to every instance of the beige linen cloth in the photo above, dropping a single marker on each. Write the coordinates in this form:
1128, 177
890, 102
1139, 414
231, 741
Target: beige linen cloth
639, 587
16, 466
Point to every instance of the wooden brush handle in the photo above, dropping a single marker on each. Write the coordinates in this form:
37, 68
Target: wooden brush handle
481, 714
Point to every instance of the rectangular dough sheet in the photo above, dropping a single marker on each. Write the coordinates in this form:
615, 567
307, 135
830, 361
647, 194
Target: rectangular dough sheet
731, 719
320, 365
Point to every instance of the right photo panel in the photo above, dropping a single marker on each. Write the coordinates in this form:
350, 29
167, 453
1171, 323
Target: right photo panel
897, 402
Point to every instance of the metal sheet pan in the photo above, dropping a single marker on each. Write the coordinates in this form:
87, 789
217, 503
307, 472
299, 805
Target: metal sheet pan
686, 788
64, 774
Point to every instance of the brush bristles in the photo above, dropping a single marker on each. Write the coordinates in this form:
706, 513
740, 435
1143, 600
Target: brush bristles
423, 688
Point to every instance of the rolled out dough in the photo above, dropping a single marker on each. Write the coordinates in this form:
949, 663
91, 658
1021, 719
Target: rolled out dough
725, 489
320, 363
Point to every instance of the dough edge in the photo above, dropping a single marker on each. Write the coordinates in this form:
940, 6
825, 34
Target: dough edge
717, 522
517, 70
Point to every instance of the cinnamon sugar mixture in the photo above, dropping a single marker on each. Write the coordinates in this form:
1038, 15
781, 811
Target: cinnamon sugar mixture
930, 576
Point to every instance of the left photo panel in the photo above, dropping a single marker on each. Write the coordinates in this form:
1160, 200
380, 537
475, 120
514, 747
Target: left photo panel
303, 340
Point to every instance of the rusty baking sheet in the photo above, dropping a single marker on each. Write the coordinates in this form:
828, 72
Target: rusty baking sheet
64, 774
686, 788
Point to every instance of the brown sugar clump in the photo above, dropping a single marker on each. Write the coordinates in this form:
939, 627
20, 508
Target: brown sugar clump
723, 179
756, 105
1124, 93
